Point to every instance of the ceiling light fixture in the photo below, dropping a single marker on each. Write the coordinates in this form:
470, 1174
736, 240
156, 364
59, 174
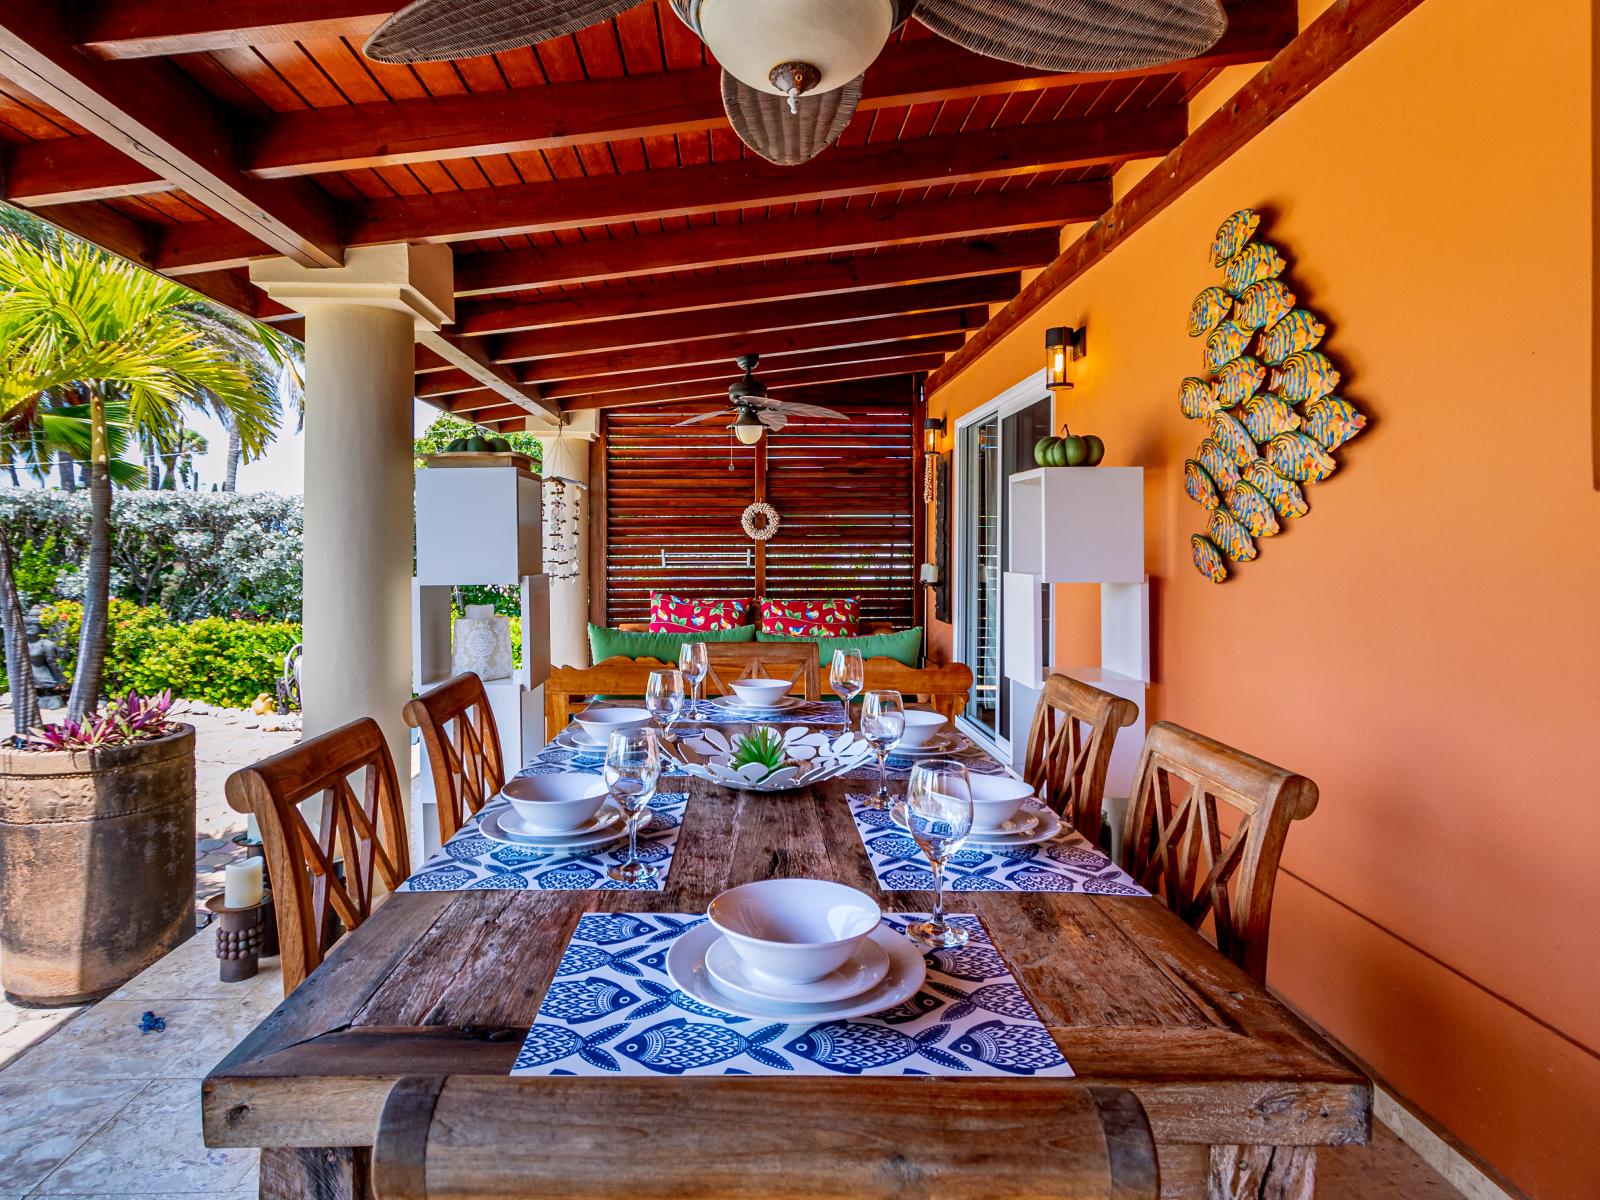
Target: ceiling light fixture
747, 427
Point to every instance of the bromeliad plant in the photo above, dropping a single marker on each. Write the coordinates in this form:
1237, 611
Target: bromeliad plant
762, 746
134, 718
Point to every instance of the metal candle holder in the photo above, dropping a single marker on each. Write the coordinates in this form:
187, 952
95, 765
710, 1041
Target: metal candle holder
239, 937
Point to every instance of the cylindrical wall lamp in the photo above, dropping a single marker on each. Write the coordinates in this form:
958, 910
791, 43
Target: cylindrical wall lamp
1063, 346
932, 427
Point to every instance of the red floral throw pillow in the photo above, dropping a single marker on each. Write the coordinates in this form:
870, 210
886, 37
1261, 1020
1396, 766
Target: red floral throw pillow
682, 614
811, 618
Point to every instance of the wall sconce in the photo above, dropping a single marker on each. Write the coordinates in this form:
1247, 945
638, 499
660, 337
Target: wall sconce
1063, 346
932, 427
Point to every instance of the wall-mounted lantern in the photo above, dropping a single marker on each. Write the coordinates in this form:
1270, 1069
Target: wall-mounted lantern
1063, 346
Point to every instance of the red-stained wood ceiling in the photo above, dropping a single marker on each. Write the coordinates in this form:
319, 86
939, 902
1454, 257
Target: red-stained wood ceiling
615, 243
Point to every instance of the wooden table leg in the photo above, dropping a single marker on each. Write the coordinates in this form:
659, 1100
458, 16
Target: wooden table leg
1262, 1173
339, 1173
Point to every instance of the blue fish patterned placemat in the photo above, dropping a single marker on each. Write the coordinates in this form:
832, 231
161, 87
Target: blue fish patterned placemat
470, 862
1065, 863
612, 1010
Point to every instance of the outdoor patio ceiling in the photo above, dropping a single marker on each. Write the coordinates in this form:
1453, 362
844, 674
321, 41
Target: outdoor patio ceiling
614, 243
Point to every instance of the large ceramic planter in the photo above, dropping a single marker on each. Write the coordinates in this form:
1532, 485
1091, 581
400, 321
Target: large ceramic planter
96, 865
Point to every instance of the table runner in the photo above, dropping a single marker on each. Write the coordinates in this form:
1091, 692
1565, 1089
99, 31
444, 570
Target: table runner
612, 1010
1066, 863
471, 862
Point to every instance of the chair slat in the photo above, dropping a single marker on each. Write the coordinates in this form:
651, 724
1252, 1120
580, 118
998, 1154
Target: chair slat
463, 742
1069, 748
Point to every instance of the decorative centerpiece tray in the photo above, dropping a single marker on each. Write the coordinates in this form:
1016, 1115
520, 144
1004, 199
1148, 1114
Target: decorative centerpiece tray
768, 758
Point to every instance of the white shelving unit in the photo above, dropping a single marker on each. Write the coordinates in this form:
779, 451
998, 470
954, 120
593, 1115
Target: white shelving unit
480, 525
1081, 525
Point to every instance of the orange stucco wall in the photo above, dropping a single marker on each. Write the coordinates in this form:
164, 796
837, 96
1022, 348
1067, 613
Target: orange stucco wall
1426, 643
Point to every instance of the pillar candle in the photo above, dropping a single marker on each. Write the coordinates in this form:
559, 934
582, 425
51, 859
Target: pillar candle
252, 830
242, 883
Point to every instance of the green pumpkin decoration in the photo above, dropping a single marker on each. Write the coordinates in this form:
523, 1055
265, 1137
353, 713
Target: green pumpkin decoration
1097, 451
499, 445
1041, 450
1074, 450
477, 445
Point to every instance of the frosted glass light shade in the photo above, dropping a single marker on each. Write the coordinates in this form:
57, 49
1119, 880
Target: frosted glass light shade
840, 38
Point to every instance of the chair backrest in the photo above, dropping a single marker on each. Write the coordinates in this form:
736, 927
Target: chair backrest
463, 745
794, 661
568, 689
326, 881
944, 688
1069, 748
493, 1138
1205, 832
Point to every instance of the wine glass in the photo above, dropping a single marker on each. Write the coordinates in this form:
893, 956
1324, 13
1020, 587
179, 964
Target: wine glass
848, 675
664, 698
939, 818
694, 664
633, 764
883, 720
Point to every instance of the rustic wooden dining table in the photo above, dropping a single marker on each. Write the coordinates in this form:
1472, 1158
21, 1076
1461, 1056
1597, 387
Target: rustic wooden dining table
1239, 1091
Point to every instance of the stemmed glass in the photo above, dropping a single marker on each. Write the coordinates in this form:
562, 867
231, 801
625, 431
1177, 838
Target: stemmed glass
883, 720
694, 664
633, 763
848, 675
664, 698
939, 817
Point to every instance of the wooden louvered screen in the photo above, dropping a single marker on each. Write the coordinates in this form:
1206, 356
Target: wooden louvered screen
845, 493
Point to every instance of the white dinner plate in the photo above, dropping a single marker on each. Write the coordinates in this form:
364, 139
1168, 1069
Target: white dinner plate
1035, 825
736, 707
493, 826
576, 737
608, 817
864, 969
686, 966
942, 744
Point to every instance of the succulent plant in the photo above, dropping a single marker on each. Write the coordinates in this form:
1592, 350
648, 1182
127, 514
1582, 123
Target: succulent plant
762, 746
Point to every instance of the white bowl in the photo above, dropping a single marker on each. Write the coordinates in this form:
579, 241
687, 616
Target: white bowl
794, 930
761, 693
921, 728
995, 800
601, 723
555, 803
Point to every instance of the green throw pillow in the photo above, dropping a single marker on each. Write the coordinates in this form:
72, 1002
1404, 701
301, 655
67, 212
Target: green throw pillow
903, 646
609, 643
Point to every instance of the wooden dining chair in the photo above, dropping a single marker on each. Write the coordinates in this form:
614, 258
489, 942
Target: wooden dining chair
463, 746
1069, 749
568, 690
795, 661
942, 687
1205, 832
326, 880
477, 1137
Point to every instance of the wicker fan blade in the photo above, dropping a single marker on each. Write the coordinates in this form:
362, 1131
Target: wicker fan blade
710, 416
765, 124
772, 419
1078, 35
796, 408
432, 30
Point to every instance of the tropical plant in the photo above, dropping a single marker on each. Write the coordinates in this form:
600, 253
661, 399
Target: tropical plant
133, 718
74, 319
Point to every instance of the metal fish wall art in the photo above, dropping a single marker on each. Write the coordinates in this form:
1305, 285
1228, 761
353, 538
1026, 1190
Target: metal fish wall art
1295, 456
1209, 307
1266, 416
1231, 537
1296, 331
1333, 422
1261, 304
1226, 343
1197, 399
1223, 470
1284, 495
1232, 439
1199, 486
1237, 381
1252, 510
1255, 262
1232, 234
1208, 559
1304, 377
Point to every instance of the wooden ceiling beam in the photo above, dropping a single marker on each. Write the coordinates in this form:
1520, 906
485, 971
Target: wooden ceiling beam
74, 170
770, 343
110, 29
156, 114
470, 357
796, 379
881, 225
592, 111
451, 382
753, 318
653, 297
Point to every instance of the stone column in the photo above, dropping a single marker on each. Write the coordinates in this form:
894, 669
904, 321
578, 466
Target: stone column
566, 453
361, 323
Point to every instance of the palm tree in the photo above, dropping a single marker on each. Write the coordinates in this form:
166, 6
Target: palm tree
132, 338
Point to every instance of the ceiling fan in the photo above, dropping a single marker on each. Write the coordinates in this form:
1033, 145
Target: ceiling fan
792, 69
755, 412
